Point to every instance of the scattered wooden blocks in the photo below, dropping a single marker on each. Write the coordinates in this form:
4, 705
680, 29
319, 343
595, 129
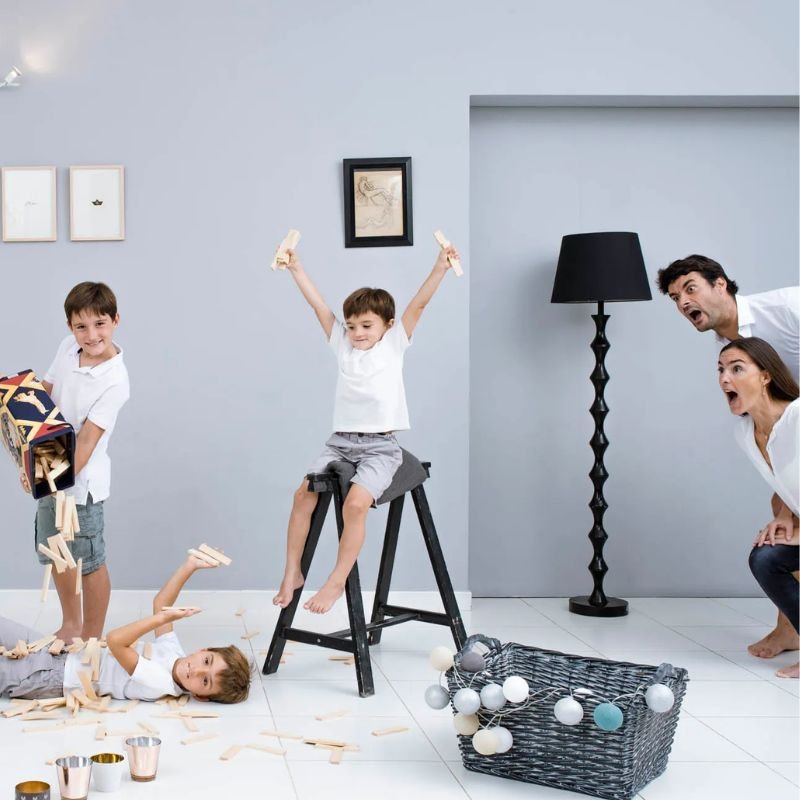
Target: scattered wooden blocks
249, 636
79, 576
289, 242
265, 748
59, 562
232, 751
48, 571
203, 737
181, 608
390, 731
215, 554
454, 262
342, 712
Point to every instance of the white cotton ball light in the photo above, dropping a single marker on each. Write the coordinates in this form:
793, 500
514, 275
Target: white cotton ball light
485, 742
659, 698
504, 739
568, 711
492, 697
515, 689
441, 658
466, 724
467, 701
436, 696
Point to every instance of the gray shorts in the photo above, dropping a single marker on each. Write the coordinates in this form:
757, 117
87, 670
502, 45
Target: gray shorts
376, 457
36, 676
88, 544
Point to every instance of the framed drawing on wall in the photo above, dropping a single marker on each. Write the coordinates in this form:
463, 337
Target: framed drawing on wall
29, 204
97, 203
377, 202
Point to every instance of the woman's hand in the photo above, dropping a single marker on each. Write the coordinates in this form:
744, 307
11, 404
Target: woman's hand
780, 530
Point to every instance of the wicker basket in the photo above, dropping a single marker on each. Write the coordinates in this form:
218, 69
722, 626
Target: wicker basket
581, 758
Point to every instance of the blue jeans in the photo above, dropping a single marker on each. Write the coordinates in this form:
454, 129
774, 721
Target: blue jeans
772, 566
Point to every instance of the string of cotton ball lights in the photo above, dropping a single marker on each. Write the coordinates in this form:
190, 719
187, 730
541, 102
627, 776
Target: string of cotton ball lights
497, 701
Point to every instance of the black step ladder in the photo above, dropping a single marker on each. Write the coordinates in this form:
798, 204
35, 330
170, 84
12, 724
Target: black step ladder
357, 638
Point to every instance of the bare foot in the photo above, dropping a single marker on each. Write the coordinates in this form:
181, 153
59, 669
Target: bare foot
789, 672
290, 583
66, 634
773, 643
324, 599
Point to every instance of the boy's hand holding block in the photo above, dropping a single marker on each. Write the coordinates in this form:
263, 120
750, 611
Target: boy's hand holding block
209, 556
289, 243
445, 243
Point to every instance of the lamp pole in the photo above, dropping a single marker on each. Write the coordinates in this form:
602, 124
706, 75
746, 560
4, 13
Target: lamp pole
597, 604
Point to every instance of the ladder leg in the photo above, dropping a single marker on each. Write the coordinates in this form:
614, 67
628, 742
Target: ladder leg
439, 567
286, 616
386, 565
355, 614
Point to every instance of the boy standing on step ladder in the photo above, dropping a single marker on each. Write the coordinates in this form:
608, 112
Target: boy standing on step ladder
370, 407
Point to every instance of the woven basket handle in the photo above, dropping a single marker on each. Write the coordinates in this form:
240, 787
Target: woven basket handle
664, 670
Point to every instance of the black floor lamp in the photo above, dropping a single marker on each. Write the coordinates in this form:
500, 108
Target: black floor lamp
599, 268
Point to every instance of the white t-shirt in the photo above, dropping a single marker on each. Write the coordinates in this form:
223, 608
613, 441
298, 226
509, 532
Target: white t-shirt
93, 393
151, 679
775, 318
783, 447
370, 396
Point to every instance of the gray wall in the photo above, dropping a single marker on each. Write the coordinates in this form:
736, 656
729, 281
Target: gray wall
681, 495
232, 120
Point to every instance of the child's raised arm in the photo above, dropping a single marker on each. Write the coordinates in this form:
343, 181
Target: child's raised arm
421, 299
311, 293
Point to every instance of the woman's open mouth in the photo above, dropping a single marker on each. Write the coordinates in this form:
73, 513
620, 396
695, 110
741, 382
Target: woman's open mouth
731, 395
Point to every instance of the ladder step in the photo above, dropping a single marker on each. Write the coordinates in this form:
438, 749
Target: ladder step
434, 617
328, 640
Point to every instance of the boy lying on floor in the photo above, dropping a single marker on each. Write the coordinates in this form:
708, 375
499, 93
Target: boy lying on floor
221, 674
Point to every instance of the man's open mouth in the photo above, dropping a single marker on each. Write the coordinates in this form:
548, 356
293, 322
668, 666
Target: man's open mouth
695, 314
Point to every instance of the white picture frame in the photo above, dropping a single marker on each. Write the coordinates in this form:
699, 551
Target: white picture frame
29, 204
97, 203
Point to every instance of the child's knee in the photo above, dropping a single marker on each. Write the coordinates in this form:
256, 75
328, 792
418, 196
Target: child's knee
357, 504
303, 498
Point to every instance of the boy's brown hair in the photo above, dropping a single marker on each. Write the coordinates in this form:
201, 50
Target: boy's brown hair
364, 300
88, 296
234, 680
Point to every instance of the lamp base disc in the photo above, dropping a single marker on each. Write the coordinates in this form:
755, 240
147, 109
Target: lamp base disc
614, 607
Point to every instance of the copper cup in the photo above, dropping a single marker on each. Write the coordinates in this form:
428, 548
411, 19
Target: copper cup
143, 757
32, 790
74, 773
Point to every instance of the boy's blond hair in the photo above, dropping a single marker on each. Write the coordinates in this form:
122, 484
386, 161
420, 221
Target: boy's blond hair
234, 680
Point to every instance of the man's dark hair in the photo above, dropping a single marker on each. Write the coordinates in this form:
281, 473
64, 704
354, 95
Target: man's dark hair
707, 267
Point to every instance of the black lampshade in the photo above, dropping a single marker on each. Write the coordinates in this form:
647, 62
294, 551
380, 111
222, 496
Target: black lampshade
600, 267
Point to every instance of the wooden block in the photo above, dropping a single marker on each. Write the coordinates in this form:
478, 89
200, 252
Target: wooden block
48, 571
348, 748
61, 565
79, 576
38, 472
76, 528
183, 700
73, 723
82, 698
336, 757
239, 612
190, 724
282, 735
210, 551
71, 702
86, 681
95, 662
53, 702
88, 650
332, 714
62, 549
389, 731
289, 242
203, 557
57, 469
249, 636
203, 737
329, 742
131, 704
21, 708
265, 748
454, 262
60, 497
199, 714
50, 482
39, 715
44, 728
40, 644
56, 647
232, 751
100, 733
181, 608
22, 648
146, 726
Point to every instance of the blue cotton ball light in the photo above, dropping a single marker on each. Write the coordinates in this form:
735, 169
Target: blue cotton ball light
607, 716
436, 696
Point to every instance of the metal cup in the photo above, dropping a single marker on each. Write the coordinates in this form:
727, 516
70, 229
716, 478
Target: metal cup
32, 790
107, 771
143, 757
73, 776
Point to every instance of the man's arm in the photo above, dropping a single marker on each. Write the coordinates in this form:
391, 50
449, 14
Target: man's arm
421, 299
311, 293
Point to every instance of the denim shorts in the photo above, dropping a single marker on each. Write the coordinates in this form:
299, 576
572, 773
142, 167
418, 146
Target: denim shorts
376, 457
88, 544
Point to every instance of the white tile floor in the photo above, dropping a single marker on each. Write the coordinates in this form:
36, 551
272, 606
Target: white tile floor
737, 736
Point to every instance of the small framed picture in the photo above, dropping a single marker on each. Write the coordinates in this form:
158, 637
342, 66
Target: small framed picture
377, 202
29, 204
97, 203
